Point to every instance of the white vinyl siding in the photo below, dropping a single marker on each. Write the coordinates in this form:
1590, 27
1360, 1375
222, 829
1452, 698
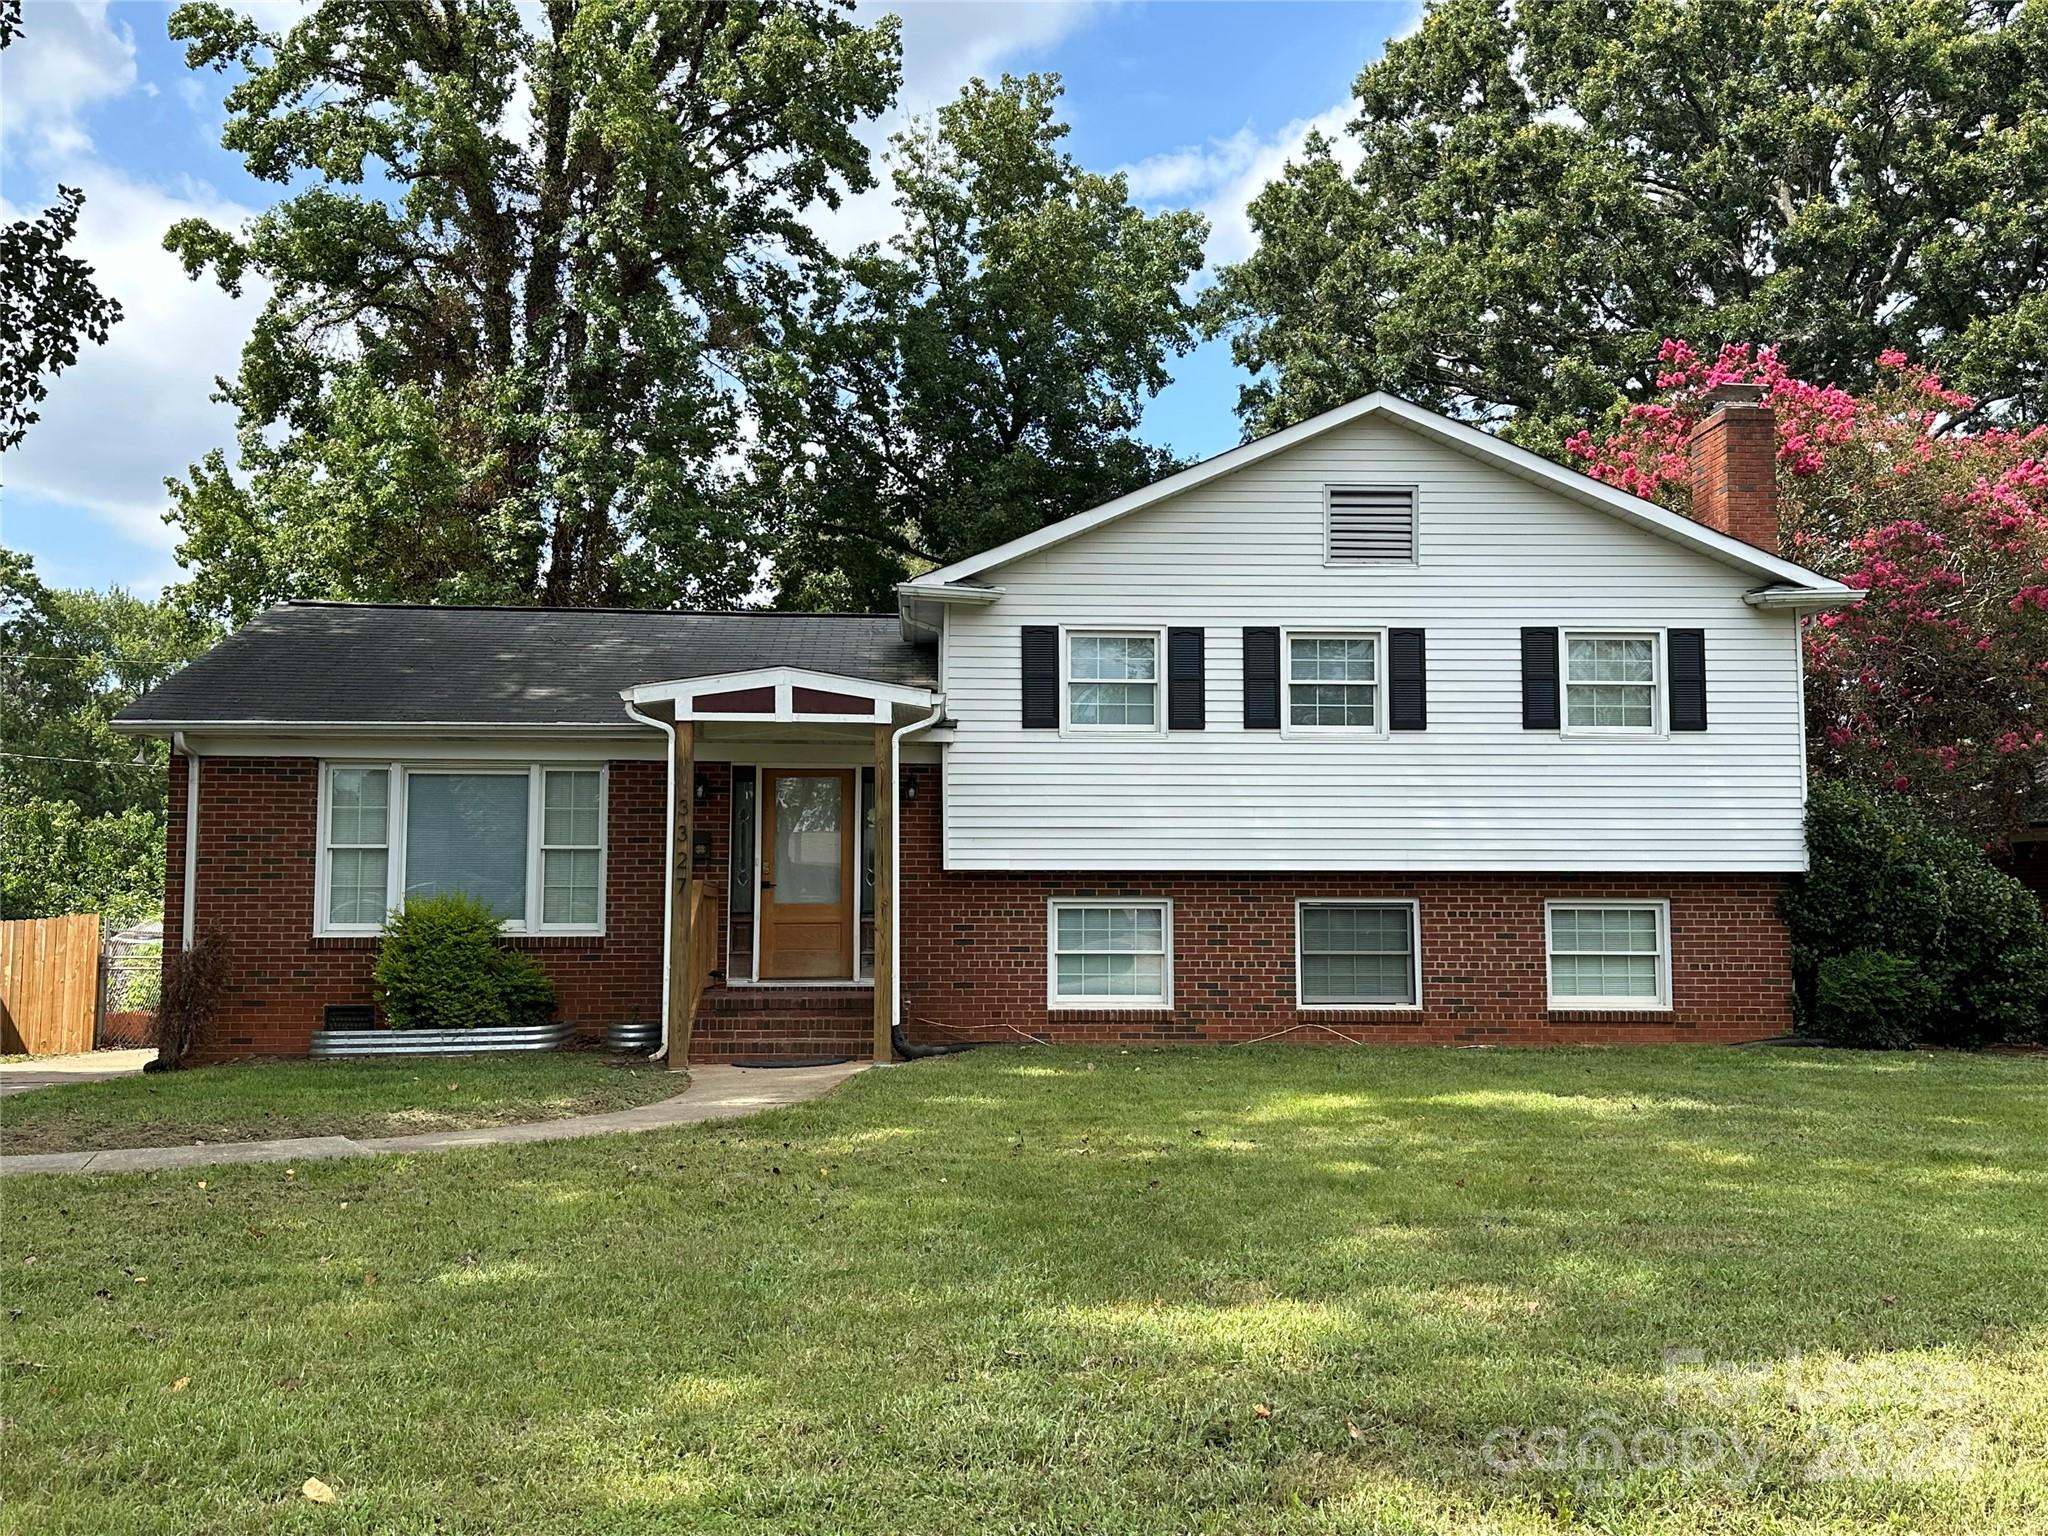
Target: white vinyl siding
1608, 954
1611, 683
1474, 792
1332, 682
1110, 954
1112, 680
1357, 954
527, 840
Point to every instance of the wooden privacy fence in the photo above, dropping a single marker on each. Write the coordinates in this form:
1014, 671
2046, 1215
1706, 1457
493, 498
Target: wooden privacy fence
49, 984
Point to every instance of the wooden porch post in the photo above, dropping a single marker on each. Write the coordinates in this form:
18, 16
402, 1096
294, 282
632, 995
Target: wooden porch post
885, 893
682, 995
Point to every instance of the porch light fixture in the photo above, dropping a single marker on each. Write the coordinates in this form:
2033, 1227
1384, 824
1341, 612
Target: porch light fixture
703, 788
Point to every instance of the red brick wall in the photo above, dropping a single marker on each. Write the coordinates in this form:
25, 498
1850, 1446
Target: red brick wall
257, 823
974, 945
1734, 464
974, 954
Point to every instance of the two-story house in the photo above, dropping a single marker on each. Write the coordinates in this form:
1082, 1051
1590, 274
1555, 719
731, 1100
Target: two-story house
1378, 729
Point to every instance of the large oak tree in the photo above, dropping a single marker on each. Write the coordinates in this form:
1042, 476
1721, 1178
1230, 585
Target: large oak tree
982, 374
517, 291
1547, 188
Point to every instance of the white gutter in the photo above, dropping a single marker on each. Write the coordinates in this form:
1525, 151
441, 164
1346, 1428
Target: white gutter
1804, 599
896, 861
668, 881
184, 749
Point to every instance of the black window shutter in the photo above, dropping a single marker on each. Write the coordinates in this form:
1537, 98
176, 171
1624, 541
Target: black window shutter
1186, 707
1688, 679
1539, 681
1407, 681
1262, 679
1041, 677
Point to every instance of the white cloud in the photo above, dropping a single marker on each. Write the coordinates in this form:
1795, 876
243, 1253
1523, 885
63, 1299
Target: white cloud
68, 57
137, 409
1223, 176
946, 43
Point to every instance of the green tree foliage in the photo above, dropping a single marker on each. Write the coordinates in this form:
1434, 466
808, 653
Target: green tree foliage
1896, 917
519, 290
1548, 188
981, 376
81, 824
48, 301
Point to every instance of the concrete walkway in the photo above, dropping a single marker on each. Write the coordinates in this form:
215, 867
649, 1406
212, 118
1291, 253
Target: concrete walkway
83, 1067
715, 1093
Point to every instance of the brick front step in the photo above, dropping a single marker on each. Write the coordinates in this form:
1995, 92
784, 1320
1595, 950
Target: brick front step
739, 1023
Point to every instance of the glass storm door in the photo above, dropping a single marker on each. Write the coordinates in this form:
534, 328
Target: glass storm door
806, 875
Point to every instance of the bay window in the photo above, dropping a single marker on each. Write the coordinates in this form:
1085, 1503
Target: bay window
526, 841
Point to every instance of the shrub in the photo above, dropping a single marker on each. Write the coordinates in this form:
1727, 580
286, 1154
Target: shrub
1872, 999
195, 981
442, 967
1884, 881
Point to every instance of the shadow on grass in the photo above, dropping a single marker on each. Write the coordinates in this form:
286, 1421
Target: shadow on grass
1088, 1291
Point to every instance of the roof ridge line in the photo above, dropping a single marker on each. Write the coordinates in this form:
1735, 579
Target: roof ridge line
535, 608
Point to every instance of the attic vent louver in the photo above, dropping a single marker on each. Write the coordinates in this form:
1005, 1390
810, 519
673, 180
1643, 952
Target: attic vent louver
1372, 524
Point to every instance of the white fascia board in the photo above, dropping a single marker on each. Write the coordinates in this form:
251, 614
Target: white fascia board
1465, 439
779, 678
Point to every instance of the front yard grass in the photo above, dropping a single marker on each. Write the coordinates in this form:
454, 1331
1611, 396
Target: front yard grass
382, 1096
1221, 1290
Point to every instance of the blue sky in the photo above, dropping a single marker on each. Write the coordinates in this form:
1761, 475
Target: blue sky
1199, 102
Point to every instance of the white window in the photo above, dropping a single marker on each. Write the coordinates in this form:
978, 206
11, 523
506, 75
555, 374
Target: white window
466, 832
1333, 682
1111, 954
526, 841
1356, 954
1609, 954
1610, 684
358, 847
571, 847
1112, 680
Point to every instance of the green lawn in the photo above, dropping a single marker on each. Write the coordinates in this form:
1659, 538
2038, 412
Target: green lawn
1222, 1290
261, 1101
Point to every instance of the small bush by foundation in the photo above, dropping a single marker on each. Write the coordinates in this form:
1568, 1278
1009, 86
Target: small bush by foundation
442, 966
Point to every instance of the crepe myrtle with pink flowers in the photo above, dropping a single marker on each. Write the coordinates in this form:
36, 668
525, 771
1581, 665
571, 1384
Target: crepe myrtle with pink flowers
1936, 685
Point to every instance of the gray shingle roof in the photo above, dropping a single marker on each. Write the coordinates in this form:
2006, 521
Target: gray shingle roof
347, 663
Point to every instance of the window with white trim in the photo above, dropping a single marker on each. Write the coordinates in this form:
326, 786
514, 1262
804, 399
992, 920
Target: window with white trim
527, 841
1112, 680
358, 846
466, 832
1610, 683
1356, 954
1111, 954
1609, 954
1333, 682
571, 847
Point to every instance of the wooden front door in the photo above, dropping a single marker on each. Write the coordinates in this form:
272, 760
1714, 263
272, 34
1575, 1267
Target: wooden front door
807, 817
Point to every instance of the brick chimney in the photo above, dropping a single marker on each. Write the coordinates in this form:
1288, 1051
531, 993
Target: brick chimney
1734, 456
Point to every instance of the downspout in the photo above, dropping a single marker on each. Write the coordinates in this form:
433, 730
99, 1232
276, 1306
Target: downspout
191, 893
668, 879
896, 869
